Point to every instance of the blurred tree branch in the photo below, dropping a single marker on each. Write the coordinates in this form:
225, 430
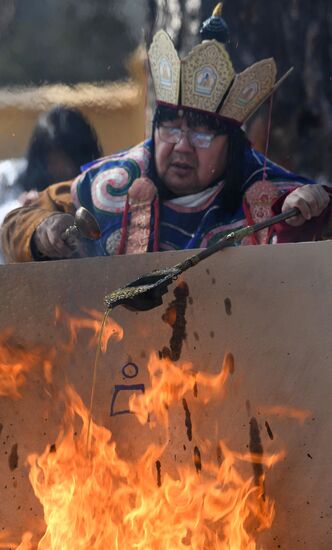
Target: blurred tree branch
7, 15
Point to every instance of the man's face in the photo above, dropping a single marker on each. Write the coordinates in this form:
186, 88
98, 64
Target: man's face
185, 168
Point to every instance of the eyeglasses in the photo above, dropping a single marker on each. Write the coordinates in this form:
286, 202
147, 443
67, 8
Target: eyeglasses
170, 134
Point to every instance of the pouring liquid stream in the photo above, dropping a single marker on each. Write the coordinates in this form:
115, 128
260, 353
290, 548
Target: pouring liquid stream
94, 375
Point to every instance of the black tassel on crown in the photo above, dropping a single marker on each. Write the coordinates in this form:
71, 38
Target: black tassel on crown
215, 27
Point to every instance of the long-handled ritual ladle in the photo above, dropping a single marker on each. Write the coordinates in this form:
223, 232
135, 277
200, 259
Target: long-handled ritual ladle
147, 291
85, 225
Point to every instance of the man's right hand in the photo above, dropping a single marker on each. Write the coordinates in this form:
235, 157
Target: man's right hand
48, 237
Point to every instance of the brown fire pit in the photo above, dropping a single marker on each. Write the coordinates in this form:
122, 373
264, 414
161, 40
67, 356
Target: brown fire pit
241, 344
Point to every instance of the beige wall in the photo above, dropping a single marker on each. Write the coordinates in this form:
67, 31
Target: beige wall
117, 111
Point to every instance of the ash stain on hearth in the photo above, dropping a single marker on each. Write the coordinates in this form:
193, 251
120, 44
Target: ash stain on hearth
13, 457
187, 421
256, 449
158, 467
174, 316
268, 429
197, 460
230, 362
228, 306
1, 428
220, 456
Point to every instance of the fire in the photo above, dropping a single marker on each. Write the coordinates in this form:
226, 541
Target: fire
94, 499
92, 323
16, 362
169, 384
288, 412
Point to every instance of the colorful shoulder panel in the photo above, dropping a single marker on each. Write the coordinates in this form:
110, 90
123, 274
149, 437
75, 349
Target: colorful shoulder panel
103, 187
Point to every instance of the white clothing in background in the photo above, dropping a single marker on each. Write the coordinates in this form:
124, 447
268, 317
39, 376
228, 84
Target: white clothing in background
10, 190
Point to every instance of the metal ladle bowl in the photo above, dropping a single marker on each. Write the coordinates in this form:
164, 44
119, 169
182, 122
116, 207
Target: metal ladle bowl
85, 225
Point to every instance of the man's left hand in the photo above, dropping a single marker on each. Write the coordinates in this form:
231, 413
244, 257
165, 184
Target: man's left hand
311, 200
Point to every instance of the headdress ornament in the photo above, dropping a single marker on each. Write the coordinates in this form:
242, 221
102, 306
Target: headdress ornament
205, 79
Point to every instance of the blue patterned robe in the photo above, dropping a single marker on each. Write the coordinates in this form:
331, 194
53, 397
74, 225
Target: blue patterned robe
191, 221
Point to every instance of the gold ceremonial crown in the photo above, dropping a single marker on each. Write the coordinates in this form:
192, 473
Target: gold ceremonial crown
206, 80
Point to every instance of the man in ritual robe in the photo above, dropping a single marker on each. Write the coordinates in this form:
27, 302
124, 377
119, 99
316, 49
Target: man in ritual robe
196, 179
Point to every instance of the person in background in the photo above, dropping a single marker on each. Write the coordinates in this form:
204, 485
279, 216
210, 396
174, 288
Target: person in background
196, 179
61, 142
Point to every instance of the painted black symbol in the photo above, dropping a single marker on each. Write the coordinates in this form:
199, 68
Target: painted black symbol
130, 370
121, 389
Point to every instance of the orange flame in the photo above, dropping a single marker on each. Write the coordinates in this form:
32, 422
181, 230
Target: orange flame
169, 384
91, 323
97, 500
16, 362
287, 412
